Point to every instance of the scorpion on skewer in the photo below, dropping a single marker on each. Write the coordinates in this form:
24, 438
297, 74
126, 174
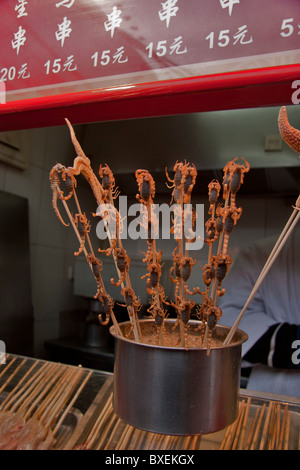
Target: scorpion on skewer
176, 182
209, 274
233, 179
229, 216
54, 184
123, 262
184, 180
189, 180
132, 303
108, 183
107, 305
210, 316
214, 188
97, 267
146, 186
186, 266
184, 309
84, 227
175, 271
153, 276
222, 264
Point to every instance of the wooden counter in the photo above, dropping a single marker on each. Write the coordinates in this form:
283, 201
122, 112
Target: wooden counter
76, 405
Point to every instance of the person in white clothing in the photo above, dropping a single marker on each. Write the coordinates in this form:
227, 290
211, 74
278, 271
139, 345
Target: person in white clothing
272, 320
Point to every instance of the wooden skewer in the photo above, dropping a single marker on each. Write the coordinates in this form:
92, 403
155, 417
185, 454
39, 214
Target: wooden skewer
240, 424
231, 430
252, 430
245, 420
40, 389
222, 446
53, 393
108, 431
66, 385
61, 419
150, 441
7, 366
109, 444
281, 436
125, 438
23, 391
287, 432
99, 423
257, 430
266, 426
272, 427
12, 375
278, 425
275, 252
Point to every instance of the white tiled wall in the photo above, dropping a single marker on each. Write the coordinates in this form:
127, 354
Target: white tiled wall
51, 244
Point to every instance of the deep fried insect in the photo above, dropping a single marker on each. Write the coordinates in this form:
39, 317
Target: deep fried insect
209, 273
157, 312
189, 180
212, 315
230, 215
146, 186
175, 272
236, 178
183, 182
97, 267
176, 182
222, 264
107, 306
131, 300
184, 309
132, 303
153, 275
108, 183
84, 227
289, 134
212, 233
186, 266
54, 184
214, 188
123, 262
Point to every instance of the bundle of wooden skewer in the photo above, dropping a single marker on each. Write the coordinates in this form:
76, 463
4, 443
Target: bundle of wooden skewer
269, 429
36, 399
261, 424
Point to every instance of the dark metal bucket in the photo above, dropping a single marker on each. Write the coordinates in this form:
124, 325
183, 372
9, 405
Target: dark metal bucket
176, 391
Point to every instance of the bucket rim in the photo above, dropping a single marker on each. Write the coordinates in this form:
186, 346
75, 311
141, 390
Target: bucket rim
243, 337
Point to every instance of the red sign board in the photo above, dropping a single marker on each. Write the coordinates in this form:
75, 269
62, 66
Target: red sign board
56, 47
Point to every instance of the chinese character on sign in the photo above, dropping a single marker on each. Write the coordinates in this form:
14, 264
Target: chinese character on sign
117, 57
64, 30
240, 36
22, 72
175, 46
65, 3
169, 9
228, 4
114, 21
20, 8
19, 39
68, 64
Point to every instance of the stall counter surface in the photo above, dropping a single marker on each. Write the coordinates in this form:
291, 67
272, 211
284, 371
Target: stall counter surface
73, 408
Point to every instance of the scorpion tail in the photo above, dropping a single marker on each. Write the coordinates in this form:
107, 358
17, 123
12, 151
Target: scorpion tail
288, 133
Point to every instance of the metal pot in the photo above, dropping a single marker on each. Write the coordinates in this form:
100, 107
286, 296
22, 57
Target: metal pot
177, 391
